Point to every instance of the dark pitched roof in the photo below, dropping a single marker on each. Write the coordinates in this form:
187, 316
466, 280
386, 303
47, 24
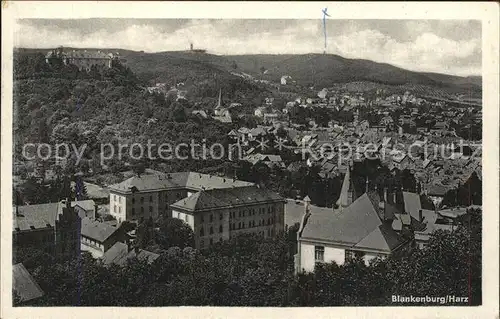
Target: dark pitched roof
119, 254
97, 230
37, 216
218, 198
24, 284
295, 210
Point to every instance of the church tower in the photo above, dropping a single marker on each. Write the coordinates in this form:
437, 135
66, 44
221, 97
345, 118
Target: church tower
67, 230
67, 227
347, 192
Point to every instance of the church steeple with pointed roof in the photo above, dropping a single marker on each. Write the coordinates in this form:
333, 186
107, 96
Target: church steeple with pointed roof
347, 191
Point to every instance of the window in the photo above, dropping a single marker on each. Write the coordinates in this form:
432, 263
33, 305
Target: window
349, 255
211, 241
114, 196
133, 211
202, 232
150, 198
202, 219
202, 243
178, 195
133, 200
260, 222
150, 208
142, 200
239, 225
220, 216
319, 253
142, 210
211, 217
211, 230
114, 208
243, 225
269, 210
220, 229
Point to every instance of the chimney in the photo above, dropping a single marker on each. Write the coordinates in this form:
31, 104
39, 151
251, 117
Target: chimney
420, 216
394, 196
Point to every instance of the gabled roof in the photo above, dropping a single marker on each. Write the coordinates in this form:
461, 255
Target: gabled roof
412, 203
97, 230
37, 216
43, 215
24, 284
382, 238
358, 225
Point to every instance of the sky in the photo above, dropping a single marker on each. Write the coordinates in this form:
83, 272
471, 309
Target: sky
443, 46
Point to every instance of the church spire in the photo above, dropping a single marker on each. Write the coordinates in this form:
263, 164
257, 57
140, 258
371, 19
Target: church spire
346, 192
219, 101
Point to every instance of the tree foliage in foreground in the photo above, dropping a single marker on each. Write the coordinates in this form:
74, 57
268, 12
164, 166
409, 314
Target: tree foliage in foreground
252, 271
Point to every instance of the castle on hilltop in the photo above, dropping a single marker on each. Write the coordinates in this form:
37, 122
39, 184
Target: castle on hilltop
83, 59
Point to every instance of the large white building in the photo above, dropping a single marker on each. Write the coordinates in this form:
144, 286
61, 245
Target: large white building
365, 226
219, 214
151, 194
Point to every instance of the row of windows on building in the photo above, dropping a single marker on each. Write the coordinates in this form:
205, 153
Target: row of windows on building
91, 242
211, 217
241, 225
252, 223
319, 254
253, 212
211, 230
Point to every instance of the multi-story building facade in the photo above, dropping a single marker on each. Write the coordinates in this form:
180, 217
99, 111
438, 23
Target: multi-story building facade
152, 193
219, 214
